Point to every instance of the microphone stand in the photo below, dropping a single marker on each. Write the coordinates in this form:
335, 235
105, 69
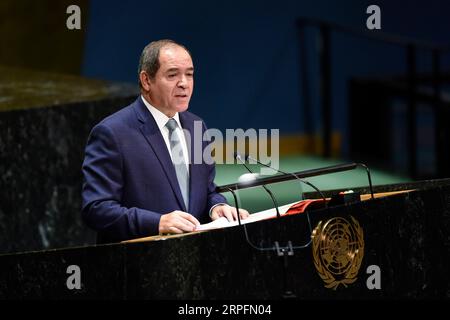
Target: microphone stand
288, 294
288, 251
247, 157
292, 174
236, 204
275, 203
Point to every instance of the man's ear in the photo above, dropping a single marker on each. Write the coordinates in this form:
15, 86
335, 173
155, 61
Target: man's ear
145, 80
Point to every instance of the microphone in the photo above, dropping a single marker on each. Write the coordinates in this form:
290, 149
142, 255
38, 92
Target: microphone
248, 157
237, 156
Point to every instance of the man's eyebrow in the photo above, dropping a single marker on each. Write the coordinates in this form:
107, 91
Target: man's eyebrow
177, 69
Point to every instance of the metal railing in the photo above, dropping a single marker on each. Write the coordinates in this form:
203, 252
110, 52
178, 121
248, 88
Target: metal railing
412, 79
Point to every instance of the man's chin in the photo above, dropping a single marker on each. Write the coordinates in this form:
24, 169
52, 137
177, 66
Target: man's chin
182, 108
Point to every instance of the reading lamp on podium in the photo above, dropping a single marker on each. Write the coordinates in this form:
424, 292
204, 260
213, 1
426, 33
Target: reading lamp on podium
327, 170
253, 179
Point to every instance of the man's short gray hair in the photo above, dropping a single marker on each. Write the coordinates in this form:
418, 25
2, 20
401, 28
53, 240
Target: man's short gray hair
149, 61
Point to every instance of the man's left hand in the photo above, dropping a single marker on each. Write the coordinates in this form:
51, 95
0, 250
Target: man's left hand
228, 212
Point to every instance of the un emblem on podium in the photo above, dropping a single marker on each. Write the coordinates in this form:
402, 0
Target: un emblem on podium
338, 250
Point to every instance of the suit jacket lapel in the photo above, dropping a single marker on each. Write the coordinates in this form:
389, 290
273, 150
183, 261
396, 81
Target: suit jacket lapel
152, 134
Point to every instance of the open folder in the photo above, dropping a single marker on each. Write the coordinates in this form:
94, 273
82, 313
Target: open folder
285, 210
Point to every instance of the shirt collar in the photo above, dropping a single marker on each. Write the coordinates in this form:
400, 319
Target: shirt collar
160, 118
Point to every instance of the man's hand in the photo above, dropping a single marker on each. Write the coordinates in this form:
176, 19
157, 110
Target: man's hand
177, 222
228, 212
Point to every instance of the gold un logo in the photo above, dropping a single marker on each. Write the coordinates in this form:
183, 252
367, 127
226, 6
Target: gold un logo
338, 250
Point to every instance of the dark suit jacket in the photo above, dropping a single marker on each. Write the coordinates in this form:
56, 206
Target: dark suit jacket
130, 181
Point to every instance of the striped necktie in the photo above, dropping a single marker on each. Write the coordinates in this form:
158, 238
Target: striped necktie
178, 159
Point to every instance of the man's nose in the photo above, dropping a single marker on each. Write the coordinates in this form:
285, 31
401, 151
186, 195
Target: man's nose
183, 82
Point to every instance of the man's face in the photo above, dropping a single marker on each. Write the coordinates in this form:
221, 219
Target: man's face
171, 89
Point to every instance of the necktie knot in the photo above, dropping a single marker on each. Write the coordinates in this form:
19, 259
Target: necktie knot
171, 125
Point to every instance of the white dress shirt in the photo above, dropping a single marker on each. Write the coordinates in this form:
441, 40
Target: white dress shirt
161, 120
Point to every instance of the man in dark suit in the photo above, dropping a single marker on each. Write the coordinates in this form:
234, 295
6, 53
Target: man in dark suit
139, 175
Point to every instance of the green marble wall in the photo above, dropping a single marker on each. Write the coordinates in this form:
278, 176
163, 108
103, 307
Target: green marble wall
45, 120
